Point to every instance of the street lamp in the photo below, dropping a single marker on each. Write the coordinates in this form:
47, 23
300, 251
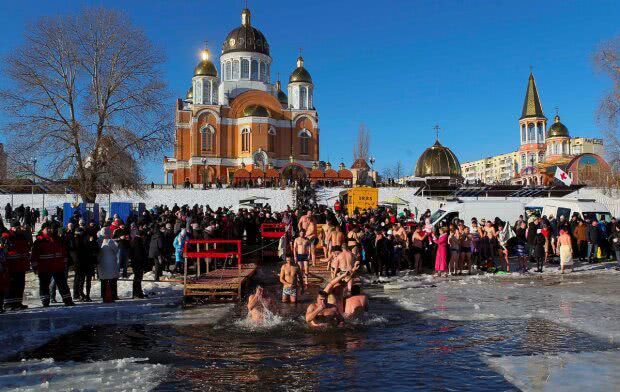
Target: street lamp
204, 173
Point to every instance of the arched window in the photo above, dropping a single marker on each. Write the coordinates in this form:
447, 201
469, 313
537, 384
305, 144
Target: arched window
235, 70
267, 77
214, 92
207, 138
206, 98
541, 133
541, 156
198, 92
271, 140
263, 72
228, 70
245, 140
556, 148
523, 134
523, 162
254, 70
531, 133
309, 97
303, 97
245, 69
304, 141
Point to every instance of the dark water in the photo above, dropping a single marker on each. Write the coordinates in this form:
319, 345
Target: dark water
400, 351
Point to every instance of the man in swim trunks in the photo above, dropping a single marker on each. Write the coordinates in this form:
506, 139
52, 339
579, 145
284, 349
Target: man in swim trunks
258, 304
289, 277
337, 239
323, 314
312, 236
301, 252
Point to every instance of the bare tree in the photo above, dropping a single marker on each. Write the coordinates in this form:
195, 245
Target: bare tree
86, 98
398, 169
362, 146
607, 60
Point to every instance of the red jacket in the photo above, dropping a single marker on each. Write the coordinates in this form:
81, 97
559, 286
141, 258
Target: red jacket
18, 252
48, 254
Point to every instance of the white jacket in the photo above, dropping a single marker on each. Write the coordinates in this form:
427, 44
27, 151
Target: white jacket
108, 267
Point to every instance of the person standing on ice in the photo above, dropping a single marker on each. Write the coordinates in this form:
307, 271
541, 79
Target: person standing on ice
179, 244
441, 258
16, 244
49, 260
108, 268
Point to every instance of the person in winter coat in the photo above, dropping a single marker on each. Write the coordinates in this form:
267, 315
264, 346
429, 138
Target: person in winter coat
107, 261
540, 249
179, 244
49, 260
614, 242
17, 243
139, 258
592, 236
156, 249
122, 237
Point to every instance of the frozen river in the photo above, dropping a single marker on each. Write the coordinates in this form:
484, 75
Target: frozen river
485, 332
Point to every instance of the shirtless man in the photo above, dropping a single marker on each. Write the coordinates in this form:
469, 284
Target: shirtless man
337, 289
304, 221
356, 304
337, 239
289, 277
327, 231
312, 236
258, 304
301, 252
344, 260
323, 314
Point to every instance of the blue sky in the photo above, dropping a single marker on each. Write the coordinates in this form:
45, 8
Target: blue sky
398, 66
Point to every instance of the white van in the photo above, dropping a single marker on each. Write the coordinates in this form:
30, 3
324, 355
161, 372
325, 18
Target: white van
587, 209
506, 210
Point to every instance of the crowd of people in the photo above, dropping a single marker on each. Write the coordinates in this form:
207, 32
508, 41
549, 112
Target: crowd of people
377, 242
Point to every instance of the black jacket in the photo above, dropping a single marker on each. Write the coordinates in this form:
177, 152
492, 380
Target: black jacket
592, 234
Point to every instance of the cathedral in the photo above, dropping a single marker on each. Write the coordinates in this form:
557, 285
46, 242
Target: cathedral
236, 118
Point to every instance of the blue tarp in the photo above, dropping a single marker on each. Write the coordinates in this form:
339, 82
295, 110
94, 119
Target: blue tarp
124, 210
87, 211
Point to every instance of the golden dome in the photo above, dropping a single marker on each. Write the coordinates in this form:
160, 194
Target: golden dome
282, 98
300, 74
438, 161
557, 129
255, 111
190, 93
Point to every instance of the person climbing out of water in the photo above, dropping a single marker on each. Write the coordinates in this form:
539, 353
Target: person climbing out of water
291, 280
179, 244
258, 304
323, 314
339, 288
356, 304
301, 252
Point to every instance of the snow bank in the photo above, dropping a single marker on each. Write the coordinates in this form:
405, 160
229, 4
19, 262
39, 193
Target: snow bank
118, 374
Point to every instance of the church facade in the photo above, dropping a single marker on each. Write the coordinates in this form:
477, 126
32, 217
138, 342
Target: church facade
236, 117
542, 149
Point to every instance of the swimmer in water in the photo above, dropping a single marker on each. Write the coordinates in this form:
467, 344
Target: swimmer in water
356, 304
323, 314
258, 304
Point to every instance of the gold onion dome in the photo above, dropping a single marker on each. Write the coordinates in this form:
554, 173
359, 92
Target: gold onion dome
438, 161
190, 93
245, 38
557, 129
205, 67
282, 98
300, 74
255, 111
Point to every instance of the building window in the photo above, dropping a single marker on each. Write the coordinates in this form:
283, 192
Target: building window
235, 70
245, 140
303, 97
304, 142
271, 140
523, 134
267, 72
206, 98
198, 92
245, 69
207, 136
565, 148
541, 156
254, 70
541, 133
531, 133
228, 70
263, 72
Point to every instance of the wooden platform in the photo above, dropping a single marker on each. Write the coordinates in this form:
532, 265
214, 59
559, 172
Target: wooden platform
227, 283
